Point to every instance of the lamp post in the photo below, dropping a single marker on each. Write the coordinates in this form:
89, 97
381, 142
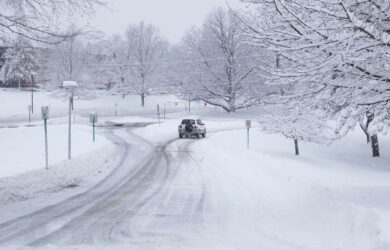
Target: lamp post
71, 87
45, 116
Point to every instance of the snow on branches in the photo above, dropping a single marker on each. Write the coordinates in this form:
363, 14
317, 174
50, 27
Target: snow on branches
218, 66
20, 64
334, 52
34, 19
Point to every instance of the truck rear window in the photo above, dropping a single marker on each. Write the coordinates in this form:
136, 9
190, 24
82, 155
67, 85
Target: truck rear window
188, 122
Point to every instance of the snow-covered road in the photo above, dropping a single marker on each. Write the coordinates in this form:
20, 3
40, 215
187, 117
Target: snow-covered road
211, 193
145, 191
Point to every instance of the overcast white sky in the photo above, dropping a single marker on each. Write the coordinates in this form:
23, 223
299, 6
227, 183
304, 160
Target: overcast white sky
173, 17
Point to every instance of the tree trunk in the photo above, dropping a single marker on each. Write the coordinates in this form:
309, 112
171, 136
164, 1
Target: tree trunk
296, 146
364, 128
375, 145
143, 100
368, 138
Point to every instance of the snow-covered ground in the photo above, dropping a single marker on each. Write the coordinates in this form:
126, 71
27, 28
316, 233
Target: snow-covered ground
170, 193
23, 172
23, 148
333, 197
330, 197
15, 105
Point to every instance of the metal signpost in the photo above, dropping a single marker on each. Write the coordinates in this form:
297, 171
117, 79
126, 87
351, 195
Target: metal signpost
93, 118
116, 109
248, 124
45, 116
71, 87
158, 114
29, 113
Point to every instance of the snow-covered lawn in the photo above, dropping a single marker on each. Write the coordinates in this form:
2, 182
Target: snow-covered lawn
23, 173
23, 148
15, 104
330, 197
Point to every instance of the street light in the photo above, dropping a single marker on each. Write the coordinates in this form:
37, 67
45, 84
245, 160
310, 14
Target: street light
71, 87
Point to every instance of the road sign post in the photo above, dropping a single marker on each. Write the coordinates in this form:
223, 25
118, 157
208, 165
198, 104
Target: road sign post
116, 109
248, 125
93, 118
45, 116
158, 114
29, 113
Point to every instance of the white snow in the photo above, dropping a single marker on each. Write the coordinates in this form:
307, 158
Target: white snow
219, 194
265, 197
94, 165
332, 197
23, 174
15, 104
23, 148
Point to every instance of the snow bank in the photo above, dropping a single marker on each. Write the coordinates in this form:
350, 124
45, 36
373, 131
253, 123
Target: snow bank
66, 174
23, 149
23, 173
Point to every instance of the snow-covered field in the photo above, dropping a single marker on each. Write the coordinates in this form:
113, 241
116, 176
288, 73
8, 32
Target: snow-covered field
23, 172
23, 148
15, 105
332, 197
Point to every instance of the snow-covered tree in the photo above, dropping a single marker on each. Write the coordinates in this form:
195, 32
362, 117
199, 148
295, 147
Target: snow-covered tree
144, 50
20, 64
218, 66
71, 60
298, 122
35, 19
334, 52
